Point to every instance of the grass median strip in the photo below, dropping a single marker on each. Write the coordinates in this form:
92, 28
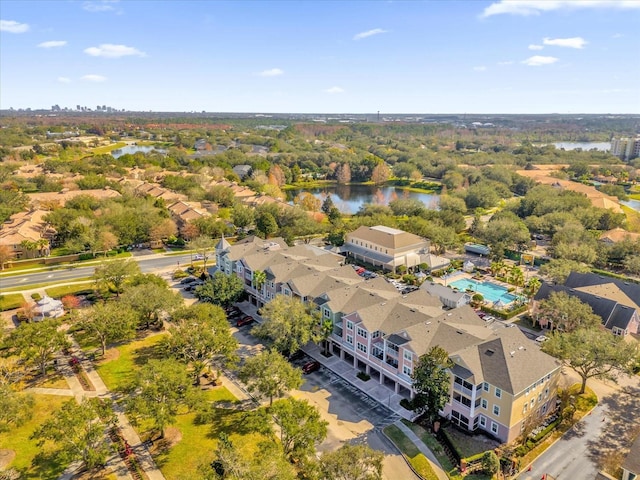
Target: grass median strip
417, 460
11, 301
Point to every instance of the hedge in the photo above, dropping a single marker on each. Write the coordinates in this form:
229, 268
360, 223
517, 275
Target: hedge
546, 431
614, 275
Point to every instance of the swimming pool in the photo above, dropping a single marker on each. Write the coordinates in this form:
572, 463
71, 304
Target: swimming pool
490, 291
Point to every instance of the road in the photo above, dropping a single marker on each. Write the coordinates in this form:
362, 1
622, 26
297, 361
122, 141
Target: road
147, 265
569, 457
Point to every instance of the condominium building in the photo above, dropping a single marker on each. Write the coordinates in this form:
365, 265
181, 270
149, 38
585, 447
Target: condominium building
499, 380
625, 148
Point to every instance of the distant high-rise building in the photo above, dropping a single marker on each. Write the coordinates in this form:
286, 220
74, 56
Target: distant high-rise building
626, 148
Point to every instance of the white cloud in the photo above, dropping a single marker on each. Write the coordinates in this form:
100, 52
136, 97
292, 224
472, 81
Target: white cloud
538, 60
535, 47
100, 6
110, 50
52, 44
480, 68
334, 90
368, 33
93, 78
64, 80
536, 7
273, 72
574, 42
12, 26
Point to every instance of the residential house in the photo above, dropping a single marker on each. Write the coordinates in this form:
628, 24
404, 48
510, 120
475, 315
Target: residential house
27, 227
631, 464
616, 302
64, 195
243, 171
618, 235
447, 295
386, 247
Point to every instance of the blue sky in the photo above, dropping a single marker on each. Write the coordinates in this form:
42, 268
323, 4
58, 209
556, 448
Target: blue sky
502, 56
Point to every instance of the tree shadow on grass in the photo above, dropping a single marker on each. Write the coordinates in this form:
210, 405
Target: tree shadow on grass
143, 354
229, 421
46, 464
619, 429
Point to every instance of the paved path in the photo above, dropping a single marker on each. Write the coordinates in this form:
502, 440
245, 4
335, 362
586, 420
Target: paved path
424, 449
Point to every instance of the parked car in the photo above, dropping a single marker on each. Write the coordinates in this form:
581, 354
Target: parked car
297, 355
235, 315
187, 280
231, 308
246, 320
199, 256
542, 339
311, 366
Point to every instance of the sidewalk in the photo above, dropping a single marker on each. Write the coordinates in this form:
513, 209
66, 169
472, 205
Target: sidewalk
424, 449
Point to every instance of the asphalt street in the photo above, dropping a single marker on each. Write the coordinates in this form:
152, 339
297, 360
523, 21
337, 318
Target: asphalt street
59, 274
568, 458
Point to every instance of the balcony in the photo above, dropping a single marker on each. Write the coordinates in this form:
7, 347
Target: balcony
391, 361
379, 354
459, 388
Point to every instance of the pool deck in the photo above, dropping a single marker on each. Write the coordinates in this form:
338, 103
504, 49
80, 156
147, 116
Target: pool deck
460, 275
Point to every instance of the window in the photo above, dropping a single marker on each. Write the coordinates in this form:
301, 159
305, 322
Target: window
533, 402
485, 386
362, 332
406, 370
524, 409
544, 408
483, 421
494, 427
375, 334
326, 312
349, 325
496, 410
350, 339
498, 393
540, 397
485, 404
546, 392
407, 355
526, 392
362, 347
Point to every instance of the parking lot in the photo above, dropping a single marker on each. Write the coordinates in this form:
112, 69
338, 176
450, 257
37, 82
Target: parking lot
352, 415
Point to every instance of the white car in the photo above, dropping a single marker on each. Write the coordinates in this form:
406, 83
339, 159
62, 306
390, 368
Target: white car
199, 256
541, 338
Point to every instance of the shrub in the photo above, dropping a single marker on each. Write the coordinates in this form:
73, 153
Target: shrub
85, 256
363, 376
406, 404
490, 463
36, 296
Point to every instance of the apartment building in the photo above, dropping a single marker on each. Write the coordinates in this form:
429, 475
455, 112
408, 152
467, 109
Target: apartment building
500, 377
625, 148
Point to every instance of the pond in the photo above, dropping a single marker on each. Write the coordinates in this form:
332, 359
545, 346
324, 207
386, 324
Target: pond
635, 204
349, 198
131, 149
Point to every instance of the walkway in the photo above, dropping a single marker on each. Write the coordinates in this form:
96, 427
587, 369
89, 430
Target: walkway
420, 445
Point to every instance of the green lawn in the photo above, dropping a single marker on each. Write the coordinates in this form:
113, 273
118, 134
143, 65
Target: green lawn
43, 285
27, 460
108, 148
438, 451
59, 292
198, 441
11, 301
417, 460
118, 372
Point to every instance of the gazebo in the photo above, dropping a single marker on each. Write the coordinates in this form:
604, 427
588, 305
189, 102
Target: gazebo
48, 307
468, 266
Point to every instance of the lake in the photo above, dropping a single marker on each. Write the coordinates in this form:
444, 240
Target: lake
586, 146
131, 149
349, 198
635, 204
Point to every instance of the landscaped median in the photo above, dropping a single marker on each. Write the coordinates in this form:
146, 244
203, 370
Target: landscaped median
419, 463
11, 301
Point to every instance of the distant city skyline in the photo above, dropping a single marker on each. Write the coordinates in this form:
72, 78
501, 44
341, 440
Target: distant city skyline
501, 56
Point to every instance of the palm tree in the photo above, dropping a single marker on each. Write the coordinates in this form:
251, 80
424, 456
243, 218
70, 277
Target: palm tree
532, 286
516, 277
27, 247
326, 329
259, 279
497, 268
43, 246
